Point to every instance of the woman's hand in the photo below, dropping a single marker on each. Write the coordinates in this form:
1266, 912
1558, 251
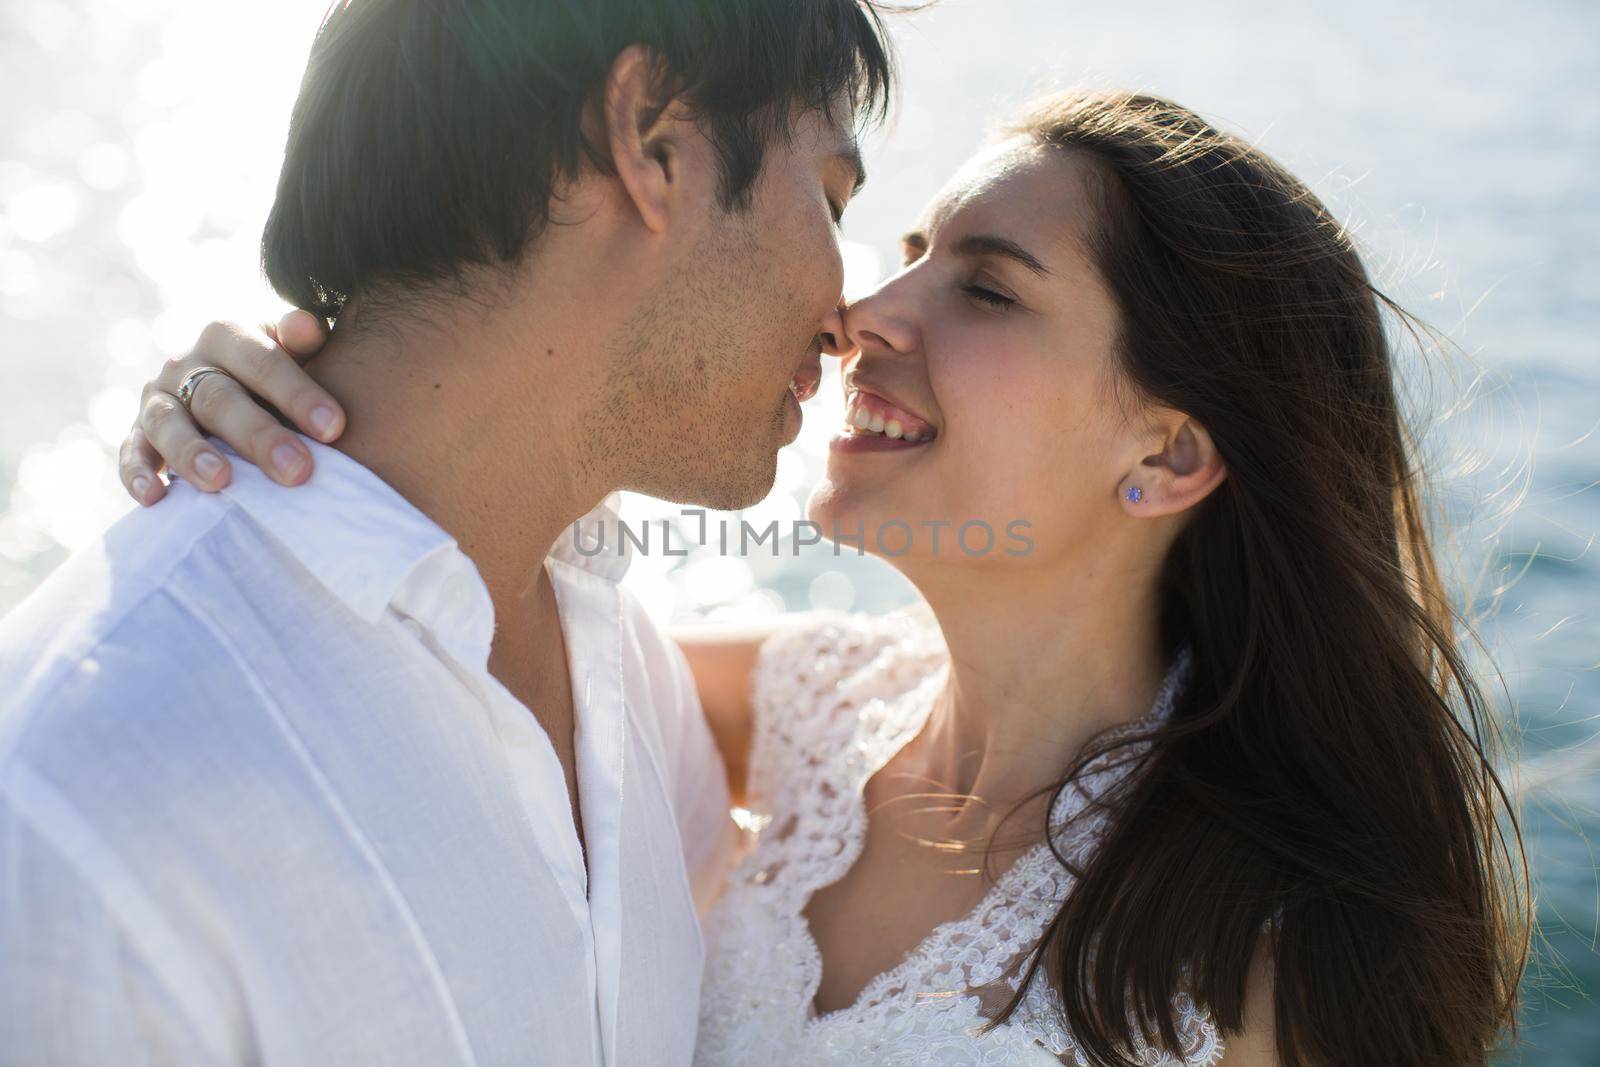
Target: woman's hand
266, 364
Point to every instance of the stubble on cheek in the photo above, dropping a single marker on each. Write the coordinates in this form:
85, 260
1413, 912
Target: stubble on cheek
763, 274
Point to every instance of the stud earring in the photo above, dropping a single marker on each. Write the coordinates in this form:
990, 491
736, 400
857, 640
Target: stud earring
1135, 494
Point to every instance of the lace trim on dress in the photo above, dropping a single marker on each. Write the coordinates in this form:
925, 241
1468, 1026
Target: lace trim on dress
833, 703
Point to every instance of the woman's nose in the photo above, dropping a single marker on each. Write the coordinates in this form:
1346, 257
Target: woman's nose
834, 340
880, 323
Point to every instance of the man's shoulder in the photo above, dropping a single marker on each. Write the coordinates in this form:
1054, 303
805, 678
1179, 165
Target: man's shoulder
124, 698
109, 654
92, 592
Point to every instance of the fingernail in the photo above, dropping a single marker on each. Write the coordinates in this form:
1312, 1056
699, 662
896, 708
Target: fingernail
209, 465
323, 419
288, 459
141, 487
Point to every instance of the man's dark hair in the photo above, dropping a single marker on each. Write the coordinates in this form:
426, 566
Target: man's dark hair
431, 135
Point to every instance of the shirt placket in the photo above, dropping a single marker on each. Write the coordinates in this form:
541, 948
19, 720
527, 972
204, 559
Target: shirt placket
452, 623
591, 614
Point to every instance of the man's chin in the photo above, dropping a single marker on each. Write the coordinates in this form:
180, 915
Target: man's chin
734, 493
730, 478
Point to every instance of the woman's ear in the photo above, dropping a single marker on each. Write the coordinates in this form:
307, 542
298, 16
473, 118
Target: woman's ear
1182, 473
646, 140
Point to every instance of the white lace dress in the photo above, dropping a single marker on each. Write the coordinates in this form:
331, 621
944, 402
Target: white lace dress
832, 704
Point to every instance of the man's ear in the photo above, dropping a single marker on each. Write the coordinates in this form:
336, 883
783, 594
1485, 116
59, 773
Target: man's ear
1182, 473
646, 138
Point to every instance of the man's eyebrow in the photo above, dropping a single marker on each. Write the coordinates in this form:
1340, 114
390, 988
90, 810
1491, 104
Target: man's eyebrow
983, 245
849, 154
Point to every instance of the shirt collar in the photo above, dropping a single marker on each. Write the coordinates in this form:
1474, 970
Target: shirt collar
363, 540
595, 543
345, 525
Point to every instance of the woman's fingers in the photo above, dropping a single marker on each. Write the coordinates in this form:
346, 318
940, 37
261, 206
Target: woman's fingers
166, 434
138, 464
301, 333
175, 438
222, 408
268, 370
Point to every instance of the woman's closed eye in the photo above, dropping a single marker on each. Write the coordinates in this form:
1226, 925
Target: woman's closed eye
991, 298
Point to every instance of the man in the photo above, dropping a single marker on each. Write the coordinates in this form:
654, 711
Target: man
421, 784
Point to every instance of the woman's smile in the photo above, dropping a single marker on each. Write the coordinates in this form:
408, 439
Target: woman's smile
849, 441
870, 414
875, 423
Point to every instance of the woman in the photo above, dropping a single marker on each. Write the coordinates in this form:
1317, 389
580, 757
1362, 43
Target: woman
1205, 760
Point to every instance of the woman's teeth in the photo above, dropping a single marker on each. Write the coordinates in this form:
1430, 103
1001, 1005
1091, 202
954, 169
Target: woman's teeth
864, 421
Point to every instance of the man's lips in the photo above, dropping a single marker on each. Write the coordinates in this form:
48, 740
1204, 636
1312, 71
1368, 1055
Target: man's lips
807, 379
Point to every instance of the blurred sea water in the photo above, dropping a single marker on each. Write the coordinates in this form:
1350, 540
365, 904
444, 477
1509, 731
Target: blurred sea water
1459, 140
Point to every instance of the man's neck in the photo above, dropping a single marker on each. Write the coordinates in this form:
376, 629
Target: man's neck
447, 417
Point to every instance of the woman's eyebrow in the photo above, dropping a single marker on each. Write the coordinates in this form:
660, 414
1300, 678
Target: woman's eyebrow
976, 245
990, 245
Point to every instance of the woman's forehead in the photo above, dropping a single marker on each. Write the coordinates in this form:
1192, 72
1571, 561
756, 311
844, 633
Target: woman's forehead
1018, 186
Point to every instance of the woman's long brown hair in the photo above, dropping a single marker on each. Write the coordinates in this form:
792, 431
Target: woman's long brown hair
1324, 790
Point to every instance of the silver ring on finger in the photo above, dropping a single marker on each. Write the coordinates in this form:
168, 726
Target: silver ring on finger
186, 388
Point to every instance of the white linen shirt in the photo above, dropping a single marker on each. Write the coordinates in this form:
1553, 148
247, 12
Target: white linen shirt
262, 802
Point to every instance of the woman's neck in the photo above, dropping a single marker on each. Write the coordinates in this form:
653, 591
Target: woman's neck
1039, 665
